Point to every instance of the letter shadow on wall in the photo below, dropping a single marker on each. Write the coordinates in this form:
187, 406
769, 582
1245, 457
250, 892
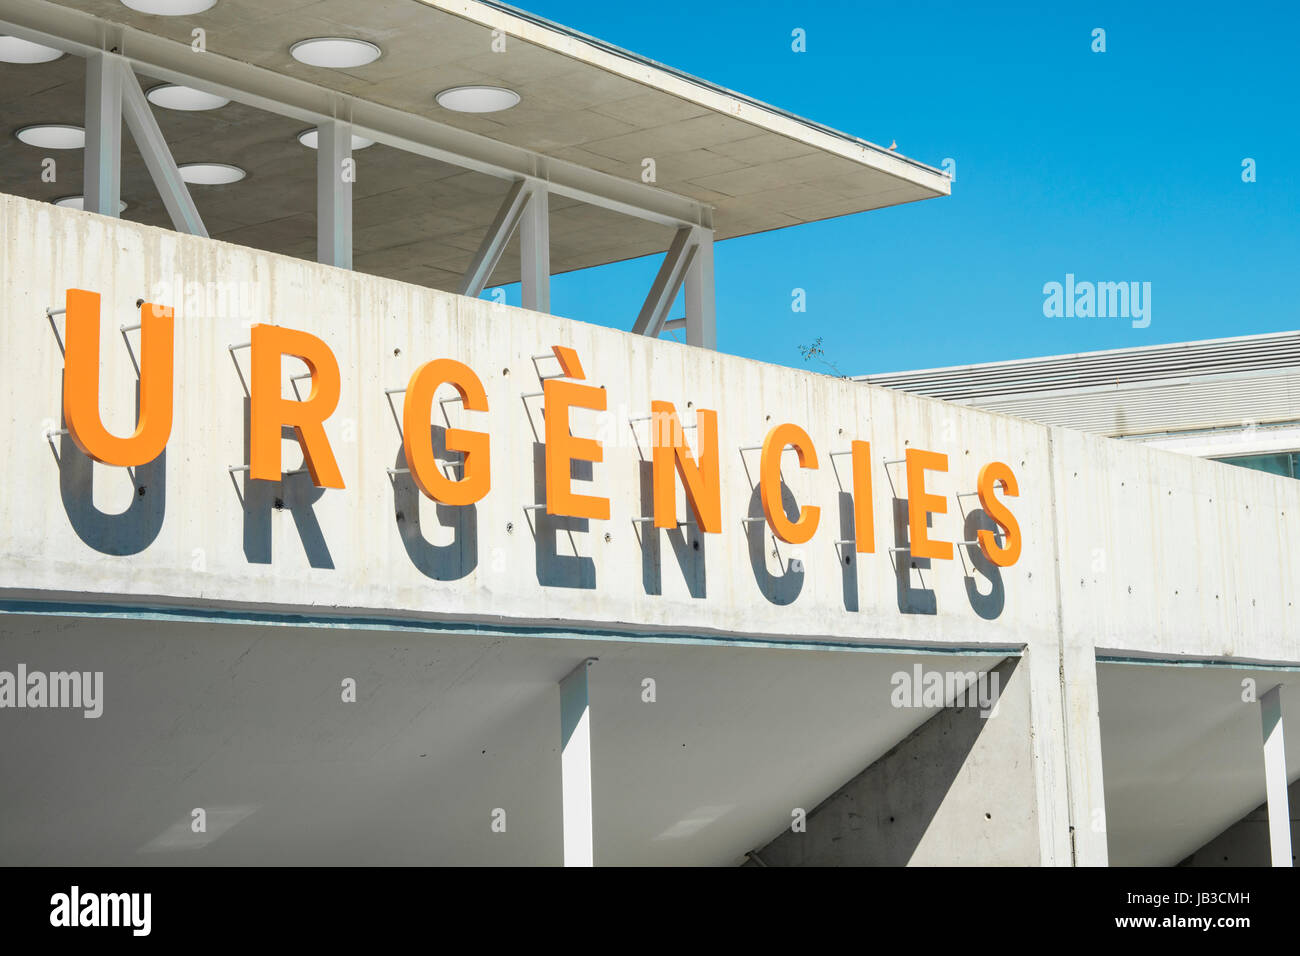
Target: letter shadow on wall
294, 492
846, 554
911, 600
783, 589
689, 553
442, 562
556, 570
128, 532
988, 606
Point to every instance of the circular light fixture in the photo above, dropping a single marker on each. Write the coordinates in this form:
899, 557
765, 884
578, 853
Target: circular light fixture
211, 174
79, 202
170, 8
16, 50
337, 53
172, 97
310, 137
53, 136
477, 99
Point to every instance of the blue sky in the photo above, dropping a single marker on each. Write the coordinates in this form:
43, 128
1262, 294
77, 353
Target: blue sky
1115, 166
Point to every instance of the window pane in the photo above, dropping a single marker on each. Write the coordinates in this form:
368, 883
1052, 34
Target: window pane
1285, 464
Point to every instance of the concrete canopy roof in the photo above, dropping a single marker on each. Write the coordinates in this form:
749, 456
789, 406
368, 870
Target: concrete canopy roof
749, 167
247, 721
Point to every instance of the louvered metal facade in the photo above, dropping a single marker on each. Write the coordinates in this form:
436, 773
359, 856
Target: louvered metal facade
1215, 384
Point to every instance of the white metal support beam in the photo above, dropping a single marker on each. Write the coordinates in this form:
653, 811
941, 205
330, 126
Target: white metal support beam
535, 250
157, 156
103, 154
676, 264
335, 173
701, 311
494, 243
575, 767
1279, 811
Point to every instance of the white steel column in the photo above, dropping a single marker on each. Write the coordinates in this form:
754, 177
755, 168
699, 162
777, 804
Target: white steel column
157, 156
535, 251
494, 243
334, 177
701, 314
575, 767
1279, 811
668, 282
103, 155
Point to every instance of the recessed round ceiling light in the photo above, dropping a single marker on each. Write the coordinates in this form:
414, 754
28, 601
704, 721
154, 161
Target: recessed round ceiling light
79, 202
172, 97
211, 174
15, 50
170, 8
53, 136
477, 99
310, 137
339, 53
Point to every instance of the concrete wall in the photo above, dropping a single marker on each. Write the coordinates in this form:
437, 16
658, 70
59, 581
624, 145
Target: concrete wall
1157, 523
958, 791
1246, 842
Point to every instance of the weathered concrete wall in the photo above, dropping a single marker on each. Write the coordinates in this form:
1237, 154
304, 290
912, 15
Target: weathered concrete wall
958, 791
1160, 553
189, 538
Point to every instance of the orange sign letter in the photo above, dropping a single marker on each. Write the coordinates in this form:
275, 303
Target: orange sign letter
270, 410
920, 504
418, 443
990, 475
769, 483
81, 384
562, 447
864, 526
700, 478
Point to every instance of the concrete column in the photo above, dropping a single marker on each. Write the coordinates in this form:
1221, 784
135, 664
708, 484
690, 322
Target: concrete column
1066, 724
575, 767
103, 154
334, 176
535, 252
1275, 787
1067, 754
701, 313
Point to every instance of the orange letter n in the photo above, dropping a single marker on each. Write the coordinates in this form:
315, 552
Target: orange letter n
700, 478
270, 411
81, 384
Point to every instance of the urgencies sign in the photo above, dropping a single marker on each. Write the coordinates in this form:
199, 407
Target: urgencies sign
672, 458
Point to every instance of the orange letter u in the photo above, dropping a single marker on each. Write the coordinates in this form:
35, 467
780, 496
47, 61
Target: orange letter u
81, 383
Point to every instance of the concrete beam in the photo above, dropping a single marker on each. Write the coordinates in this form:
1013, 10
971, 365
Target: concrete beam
575, 767
103, 154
